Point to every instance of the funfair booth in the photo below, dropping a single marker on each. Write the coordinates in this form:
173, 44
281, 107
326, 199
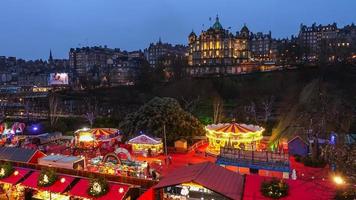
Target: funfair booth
91, 138
145, 145
239, 136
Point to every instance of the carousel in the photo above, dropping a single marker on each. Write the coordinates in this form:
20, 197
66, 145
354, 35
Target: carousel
239, 136
92, 138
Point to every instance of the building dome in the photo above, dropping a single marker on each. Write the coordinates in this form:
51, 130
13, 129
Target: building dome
217, 25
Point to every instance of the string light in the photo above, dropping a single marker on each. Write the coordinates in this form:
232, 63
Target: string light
63, 180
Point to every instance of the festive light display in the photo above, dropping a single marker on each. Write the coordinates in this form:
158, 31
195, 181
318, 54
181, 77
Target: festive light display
88, 138
6, 170
46, 178
240, 136
274, 189
143, 143
98, 187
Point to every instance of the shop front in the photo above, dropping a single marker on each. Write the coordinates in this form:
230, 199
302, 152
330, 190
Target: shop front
9, 187
146, 146
113, 191
55, 191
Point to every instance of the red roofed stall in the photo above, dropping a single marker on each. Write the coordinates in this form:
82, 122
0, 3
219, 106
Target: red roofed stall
54, 191
204, 180
116, 191
16, 176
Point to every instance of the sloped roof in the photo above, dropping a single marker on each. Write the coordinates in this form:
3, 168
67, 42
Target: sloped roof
144, 139
208, 175
16, 154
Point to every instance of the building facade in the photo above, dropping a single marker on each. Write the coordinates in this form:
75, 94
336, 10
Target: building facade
159, 51
217, 46
311, 37
262, 46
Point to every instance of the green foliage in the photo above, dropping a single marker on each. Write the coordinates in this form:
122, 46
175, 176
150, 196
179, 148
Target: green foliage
274, 189
6, 170
47, 178
206, 120
106, 122
297, 158
98, 187
158, 112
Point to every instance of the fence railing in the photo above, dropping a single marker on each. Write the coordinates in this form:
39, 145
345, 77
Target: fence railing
197, 145
144, 183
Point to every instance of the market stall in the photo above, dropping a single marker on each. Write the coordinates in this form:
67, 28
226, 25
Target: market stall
44, 187
145, 145
9, 177
91, 138
111, 163
239, 136
104, 190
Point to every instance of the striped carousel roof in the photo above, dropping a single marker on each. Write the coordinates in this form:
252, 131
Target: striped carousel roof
103, 131
234, 128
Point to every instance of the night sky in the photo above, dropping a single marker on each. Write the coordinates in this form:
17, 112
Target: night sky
30, 28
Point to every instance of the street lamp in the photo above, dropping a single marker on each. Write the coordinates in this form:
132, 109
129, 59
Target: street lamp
338, 180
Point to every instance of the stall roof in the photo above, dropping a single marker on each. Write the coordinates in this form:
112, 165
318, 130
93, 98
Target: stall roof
57, 187
15, 177
18, 154
144, 139
80, 190
209, 175
61, 158
61, 161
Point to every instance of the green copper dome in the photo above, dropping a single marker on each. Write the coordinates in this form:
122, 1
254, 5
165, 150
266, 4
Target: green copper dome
217, 24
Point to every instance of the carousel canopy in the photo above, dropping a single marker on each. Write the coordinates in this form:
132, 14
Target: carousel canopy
234, 128
103, 131
144, 139
98, 132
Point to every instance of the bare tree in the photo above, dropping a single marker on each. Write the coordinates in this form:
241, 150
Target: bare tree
189, 105
250, 110
54, 109
90, 116
91, 113
267, 105
217, 109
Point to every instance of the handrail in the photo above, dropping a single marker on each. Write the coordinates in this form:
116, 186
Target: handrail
197, 145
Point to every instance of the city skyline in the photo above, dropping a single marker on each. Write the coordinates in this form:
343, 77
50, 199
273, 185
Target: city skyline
31, 29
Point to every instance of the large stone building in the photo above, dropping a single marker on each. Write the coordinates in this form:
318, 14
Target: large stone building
104, 66
217, 46
327, 43
310, 38
262, 46
159, 51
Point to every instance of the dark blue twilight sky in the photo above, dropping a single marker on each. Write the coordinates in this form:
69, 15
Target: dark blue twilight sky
29, 28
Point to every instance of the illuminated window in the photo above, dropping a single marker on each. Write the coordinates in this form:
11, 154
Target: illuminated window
211, 45
218, 45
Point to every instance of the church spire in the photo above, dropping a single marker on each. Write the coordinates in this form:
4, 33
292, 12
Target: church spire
50, 59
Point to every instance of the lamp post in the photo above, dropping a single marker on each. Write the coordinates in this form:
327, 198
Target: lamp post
165, 141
